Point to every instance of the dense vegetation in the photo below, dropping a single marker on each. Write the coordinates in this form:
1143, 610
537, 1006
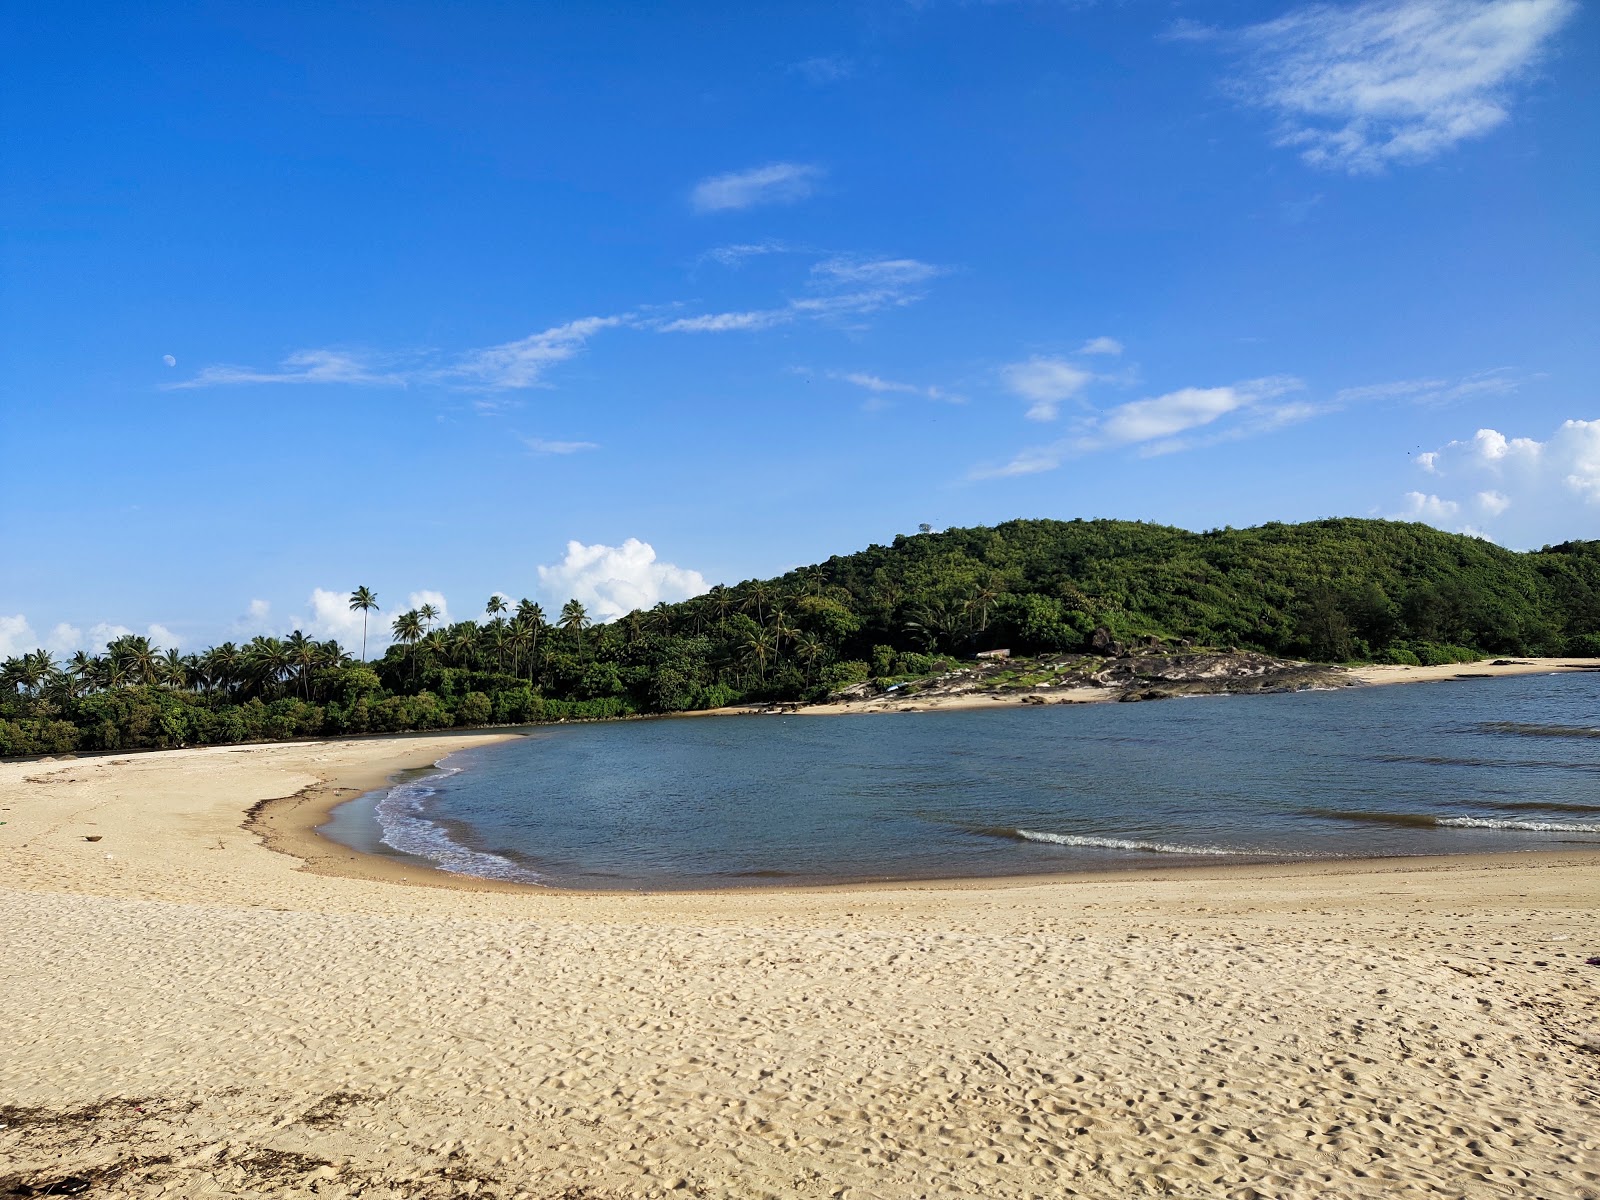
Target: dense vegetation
1328, 590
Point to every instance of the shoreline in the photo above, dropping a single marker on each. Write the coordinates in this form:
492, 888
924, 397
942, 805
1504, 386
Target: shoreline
194, 1013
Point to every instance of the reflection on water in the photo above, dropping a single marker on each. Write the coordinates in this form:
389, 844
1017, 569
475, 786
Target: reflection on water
1415, 769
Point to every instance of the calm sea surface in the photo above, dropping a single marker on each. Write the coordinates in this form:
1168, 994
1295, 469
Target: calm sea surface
1447, 768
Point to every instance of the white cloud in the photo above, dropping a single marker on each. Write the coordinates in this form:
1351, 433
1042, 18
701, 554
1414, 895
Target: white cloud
1423, 506
331, 617
612, 580
775, 183
64, 639
163, 637
522, 363
1357, 87
259, 610
544, 446
16, 636
103, 633
418, 599
1540, 491
1494, 503
304, 366
1164, 416
1101, 345
1156, 425
1045, 383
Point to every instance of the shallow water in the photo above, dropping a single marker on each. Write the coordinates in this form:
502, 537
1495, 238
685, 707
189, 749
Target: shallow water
1448, 768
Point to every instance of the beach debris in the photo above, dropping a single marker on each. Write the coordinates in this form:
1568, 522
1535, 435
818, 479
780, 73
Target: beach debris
92, 837
1592, 962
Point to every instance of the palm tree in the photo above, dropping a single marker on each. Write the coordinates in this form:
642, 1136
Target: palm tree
303, 655
173, 669
756, 595
429, 615
363, 600
575, 619
722, 601
464, 643
758, 649
660, 619
266, 661
811, 650
781, 629
497, 605
82, 669
408, 631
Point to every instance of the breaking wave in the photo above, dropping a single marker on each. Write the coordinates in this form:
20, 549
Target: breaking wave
1427, 821
1111, 843
402, 818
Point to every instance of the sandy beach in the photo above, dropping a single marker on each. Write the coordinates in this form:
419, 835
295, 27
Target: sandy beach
189, 1012
1097, 695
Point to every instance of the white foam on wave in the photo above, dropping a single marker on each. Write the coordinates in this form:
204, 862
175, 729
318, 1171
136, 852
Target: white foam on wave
1530, 826
1108, 843
402, 818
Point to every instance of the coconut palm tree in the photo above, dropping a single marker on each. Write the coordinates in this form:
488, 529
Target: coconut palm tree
363, 600
659, 619
173, 670
722, 601
756, 596
575, 619
408, 631
429, 615
811, 650
266, 662
758, 649
497, 605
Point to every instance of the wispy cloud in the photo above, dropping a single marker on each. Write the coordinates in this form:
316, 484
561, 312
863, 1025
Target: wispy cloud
545, 446
728, 322
739, 253
837, 287
510, 365
1359, 87
522, 363
1434, 392
824, 69
1101, 345
882, 388
304, 366
775, 183
1180, 420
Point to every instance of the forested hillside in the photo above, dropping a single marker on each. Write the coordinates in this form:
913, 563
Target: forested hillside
1331, 590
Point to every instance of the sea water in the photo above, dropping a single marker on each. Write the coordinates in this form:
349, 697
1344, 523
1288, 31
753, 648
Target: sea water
1444, 768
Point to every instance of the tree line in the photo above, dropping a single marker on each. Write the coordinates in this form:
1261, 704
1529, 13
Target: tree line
1336, 590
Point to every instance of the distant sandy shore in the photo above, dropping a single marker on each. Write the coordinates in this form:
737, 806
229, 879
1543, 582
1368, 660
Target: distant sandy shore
190, 1013
1491, 668
1093, 695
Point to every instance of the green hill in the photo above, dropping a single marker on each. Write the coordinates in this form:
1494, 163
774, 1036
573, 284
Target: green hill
1332, 590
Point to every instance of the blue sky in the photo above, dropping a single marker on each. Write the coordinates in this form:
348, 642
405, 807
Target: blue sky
620, 301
